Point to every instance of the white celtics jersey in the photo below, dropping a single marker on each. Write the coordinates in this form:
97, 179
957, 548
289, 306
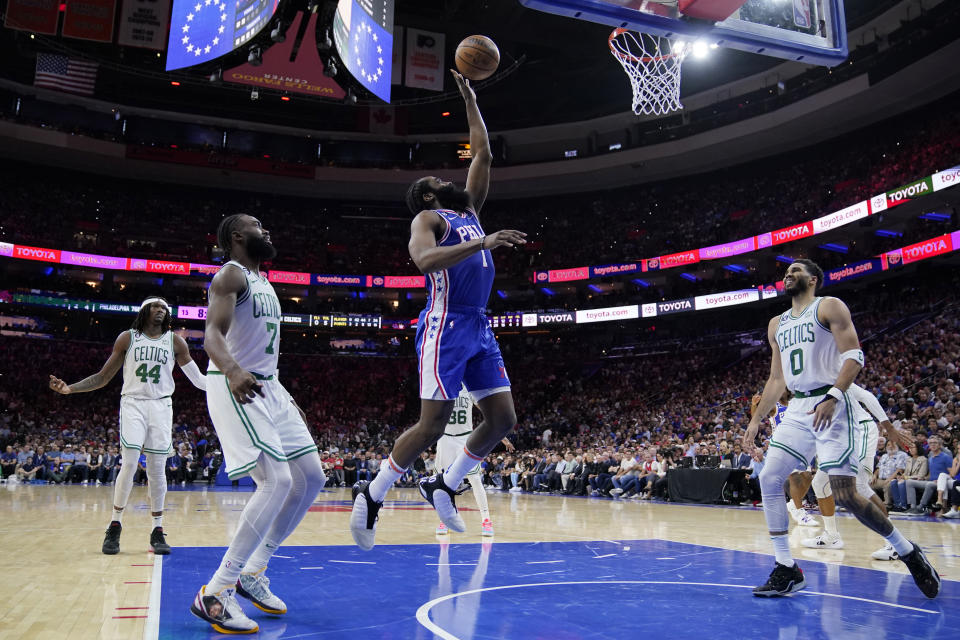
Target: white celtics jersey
461, 418
808, 352
254, 335
148, 366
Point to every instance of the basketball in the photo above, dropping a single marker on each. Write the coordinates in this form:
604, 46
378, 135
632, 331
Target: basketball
477, 57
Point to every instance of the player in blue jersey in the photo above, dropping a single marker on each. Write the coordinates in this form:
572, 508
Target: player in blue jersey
454, 342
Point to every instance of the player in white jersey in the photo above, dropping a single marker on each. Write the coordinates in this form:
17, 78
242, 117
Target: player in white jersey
816, 355
146, 353
262, 431
449, 446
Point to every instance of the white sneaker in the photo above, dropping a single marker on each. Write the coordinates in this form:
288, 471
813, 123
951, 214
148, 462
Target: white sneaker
615, 492
823, 541
516, 490
222, 611
953, 513
255, 587
887, 553
442, 529
436, 492
363, 517
804, 519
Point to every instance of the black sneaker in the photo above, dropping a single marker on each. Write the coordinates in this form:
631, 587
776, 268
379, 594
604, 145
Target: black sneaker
926, 577
111, 541
782, 580
363, 517
443, 498
158, 543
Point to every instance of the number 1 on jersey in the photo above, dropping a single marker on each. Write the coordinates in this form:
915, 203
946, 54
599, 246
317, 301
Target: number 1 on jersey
271, 327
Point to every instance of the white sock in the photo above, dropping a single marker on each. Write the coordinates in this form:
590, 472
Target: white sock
781, 550
830, 525
900, 544
158, 521
117, 515
456, 472
480, 495
384, 480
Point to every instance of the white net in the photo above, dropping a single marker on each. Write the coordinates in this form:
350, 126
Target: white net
653, 66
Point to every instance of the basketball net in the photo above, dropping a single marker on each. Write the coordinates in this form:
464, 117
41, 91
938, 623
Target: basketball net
653, 66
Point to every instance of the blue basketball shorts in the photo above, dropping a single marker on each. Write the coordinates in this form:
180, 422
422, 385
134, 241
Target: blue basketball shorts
457, 346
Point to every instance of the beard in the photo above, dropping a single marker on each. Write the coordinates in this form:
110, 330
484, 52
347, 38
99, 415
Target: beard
259, 249
453, 197
800, 285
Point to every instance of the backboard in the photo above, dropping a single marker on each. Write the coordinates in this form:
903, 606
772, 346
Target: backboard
812, 31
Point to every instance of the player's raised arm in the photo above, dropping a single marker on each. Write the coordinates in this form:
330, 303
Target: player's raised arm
478, 177
835, 315
190, 369
772, 390
100, 378
223, 299
430, 258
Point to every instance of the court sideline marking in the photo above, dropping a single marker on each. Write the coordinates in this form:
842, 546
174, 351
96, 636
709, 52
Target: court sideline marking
151, 630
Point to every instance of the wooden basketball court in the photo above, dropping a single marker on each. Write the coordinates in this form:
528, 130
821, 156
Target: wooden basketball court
59, 585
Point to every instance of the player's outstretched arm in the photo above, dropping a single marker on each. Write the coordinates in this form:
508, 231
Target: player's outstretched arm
835, 315
223, 298
772, 390
478, 177
190, 369
430, 258
100, 378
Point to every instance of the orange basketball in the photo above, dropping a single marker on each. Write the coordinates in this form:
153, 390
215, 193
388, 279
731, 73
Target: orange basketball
477, 57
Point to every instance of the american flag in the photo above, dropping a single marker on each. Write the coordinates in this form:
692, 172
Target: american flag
65, 74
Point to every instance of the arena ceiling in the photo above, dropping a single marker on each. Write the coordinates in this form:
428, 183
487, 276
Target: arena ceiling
563, 72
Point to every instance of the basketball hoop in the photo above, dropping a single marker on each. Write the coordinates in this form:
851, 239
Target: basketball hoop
653, 65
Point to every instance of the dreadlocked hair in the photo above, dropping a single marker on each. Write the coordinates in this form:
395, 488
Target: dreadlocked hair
140, 322
813, 269
224, 232
415, 194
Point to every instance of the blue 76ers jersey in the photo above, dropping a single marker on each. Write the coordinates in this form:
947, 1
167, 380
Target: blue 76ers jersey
778, 418
467, 283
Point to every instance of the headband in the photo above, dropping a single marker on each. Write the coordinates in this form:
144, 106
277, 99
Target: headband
146, 303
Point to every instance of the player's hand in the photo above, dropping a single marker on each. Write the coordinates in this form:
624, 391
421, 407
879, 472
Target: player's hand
754, 403
505, 238
59, 386
902, 439
509, 445
823, 413
244, 386
463, 84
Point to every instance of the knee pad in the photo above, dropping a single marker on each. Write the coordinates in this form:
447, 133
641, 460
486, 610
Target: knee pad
821, 485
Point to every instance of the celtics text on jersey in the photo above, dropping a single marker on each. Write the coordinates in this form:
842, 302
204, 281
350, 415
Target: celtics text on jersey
148, 366
808, 352
254, 335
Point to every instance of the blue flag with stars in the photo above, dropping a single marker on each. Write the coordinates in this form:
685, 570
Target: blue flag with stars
365, 46
201, 30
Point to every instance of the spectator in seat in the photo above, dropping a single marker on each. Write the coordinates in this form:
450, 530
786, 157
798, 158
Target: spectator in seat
890, 468
945, 482
938, 461
172, 469
79, 470
96, 459
916, 469
8, 463
568, 471
350, 475
28, 469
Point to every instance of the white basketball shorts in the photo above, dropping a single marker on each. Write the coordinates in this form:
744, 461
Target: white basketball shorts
147, 423
448, 448
268, 424
836, 447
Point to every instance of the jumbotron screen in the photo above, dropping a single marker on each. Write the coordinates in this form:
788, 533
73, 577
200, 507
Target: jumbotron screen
363, 35
201, 30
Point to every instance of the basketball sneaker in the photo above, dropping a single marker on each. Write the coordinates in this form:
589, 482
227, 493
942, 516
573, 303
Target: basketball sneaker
438, 494
804, 519
887, 553
823, 541
442, 529
486, 528
782, 580
364, 516
222, 611
111, 541
158, 543
926, 577
255, 587
953, 513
